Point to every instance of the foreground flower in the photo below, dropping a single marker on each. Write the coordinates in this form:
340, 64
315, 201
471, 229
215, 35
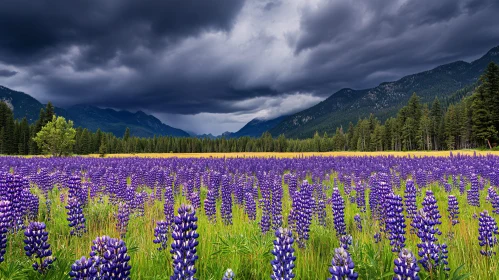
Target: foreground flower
5, 223
283, 263
487, 229
184, 243
342, 265
406, 267
83, 269
37, 246
161, 234
228, 275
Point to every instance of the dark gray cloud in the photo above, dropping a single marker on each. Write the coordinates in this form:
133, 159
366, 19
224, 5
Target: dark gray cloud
187, 59
7, 73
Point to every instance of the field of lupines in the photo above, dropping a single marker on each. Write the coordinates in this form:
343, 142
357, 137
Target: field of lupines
249, 218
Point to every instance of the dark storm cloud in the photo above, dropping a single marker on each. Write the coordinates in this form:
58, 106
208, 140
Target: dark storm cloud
7, 73
221, 56
33, 30
361, 43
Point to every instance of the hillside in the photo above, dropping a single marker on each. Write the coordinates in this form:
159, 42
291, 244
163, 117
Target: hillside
348, 105
255, 128
91, 117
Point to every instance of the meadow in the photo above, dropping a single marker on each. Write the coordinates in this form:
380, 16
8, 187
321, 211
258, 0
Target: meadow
310, 194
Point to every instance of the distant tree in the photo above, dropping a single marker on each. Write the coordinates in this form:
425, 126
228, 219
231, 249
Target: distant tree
57, 137
127, 134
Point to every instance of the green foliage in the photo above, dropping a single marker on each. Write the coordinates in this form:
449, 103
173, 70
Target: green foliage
57, 137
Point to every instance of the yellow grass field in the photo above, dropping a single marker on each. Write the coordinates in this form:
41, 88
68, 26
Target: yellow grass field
308, 154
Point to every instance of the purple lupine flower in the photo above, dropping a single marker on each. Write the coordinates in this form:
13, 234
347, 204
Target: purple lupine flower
116, 265
226, 208
487, 229
430, 207
462, 188
5, 224
76, 218
494, 200
195, 200
15, 189
395, 222
122, 218
283, 263
474, 192
228, 275
346, 241
338, 213
321, 212
210, 207
250, 206
266, 221
303, 214
276, 204
161, 234
184, 244
358, 222
410, 199
169, 210
62, 198
377, 237
84, 269
37, 246
342, 266
406, 266
360, 197
33, 203
453, 209
430, 251
447, 187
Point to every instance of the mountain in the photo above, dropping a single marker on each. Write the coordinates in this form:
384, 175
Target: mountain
22, 104
348, 105
256, 127
109, 120
91, 117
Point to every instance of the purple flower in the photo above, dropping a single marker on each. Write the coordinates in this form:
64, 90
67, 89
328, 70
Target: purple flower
474, 192
342, 266
406, 267
84, 269
184, 244
5, 224
338, 212
276, 204
494, 200
37, 246
453, 209
487, 229
283, 263
303, 213
358, 222
226, 208
76, 218
346, 241
210, 206
395, 222
122, 218
161, 234
410, 199
169, 210
250, 206
228, 275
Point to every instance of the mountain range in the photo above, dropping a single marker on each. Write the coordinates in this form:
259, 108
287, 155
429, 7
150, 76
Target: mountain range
345, 106
348, 105
91, 117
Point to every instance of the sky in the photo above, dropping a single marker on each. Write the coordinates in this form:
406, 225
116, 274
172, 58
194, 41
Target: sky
210, 66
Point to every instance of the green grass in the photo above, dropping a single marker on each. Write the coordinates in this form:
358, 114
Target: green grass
243, 248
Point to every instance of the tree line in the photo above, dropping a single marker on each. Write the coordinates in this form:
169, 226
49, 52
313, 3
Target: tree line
472, 121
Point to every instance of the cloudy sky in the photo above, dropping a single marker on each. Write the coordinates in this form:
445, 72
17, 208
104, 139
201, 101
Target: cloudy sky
210, 66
